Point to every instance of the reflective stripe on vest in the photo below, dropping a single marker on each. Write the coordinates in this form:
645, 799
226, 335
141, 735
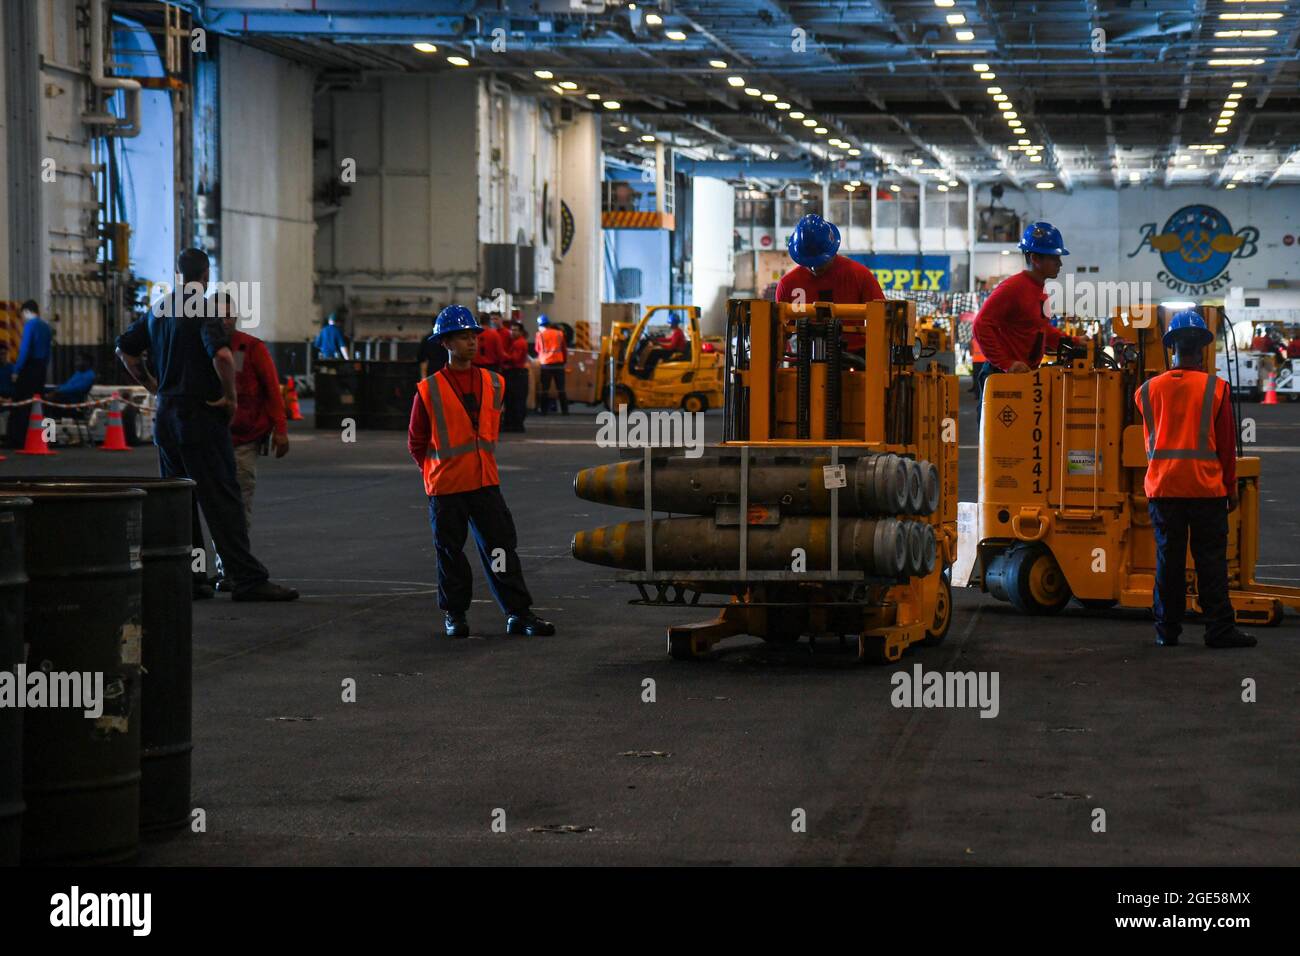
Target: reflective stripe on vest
442, 449
1202, 451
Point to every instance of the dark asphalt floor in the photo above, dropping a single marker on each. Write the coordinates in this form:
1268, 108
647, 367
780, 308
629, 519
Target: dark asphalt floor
445, 733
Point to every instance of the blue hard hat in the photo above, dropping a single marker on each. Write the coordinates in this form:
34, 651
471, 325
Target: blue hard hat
543, 319
455, 318
675, 320
1044, 238
814, 242
1188, 323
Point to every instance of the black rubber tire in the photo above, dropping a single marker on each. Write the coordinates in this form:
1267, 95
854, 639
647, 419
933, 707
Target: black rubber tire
622, 396
1023, 561
701, 397
943, 619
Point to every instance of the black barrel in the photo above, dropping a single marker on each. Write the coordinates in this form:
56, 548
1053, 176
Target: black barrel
81, 776
165, 732
13, 580
340, 393
389, 391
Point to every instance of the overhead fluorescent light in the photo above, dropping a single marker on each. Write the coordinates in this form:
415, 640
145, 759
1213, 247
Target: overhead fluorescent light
1234, 96
543, 74
1134, 176
988, 76
718, 64
622, 129
1045, 185
1240, 49
653, 19
980, 67
593, 96
1235, 61
568, 84
677, 35
782, 105
457, 61
944, 3
796, 115
820, 130
1230, 186
612, 105
810, 122
735, 81
956, 19
855, 182
1250, 16
965, 36
1234, 34
753, 91
942, 188
1239, 84
647, 138
855, 152
894, 187
1035, 158
1176, 304
849, 187
1010, 114
918, 162
769, 97
994, 91
953, 184
424, 47
1024, 142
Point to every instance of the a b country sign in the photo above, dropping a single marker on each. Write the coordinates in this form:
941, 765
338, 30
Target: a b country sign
1195, 247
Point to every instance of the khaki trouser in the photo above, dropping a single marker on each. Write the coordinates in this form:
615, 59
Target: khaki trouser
246, 475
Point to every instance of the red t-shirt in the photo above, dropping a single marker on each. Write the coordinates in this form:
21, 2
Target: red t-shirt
1011, 320
516, 356
674, 341
260, 407
845, 282
503, 340
489, 348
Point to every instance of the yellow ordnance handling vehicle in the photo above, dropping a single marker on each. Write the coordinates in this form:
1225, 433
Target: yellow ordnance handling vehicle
829, 509
646, 376
1061, 510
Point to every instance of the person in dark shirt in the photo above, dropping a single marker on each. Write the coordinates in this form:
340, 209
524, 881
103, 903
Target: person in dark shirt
195, 385
432, 355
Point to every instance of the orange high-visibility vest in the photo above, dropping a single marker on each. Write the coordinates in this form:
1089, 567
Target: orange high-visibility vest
550, 346
1179, 409
976, 353
460, 458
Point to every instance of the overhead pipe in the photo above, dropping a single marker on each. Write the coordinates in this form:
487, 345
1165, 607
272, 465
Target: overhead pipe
125, 127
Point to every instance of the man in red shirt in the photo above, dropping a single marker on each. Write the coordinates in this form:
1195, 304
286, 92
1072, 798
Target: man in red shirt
259, 422
665, 347
821, 275
1013, 326
515, 364
489, 351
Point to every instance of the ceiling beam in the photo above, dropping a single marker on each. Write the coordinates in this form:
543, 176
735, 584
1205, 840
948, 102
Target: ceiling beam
1291, 156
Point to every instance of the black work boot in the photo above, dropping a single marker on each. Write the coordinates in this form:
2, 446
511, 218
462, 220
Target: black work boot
201, 589
1167, 638
455, 625
1234, 638
529, 625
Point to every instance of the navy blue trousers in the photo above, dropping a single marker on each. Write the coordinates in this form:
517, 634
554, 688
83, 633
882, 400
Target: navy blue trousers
484, 511
1206, 520
194, 442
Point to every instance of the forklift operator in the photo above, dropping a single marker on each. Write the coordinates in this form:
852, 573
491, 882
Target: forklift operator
1190, 484
1012, 326
821, 275
665, 347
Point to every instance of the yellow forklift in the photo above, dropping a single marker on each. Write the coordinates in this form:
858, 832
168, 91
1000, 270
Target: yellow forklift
830, 507
1061, 510
637, 372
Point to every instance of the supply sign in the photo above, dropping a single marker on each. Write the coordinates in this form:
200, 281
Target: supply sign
908, 273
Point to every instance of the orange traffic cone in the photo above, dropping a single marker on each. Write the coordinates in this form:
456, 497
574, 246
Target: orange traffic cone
1270, 390
35, 444
115, 435
291, 400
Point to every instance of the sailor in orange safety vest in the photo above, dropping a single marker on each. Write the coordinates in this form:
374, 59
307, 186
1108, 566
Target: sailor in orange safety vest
455, 421
552, 352
1191, 485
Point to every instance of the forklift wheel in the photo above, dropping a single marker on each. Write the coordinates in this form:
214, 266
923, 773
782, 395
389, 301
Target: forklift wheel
622, 396
1037, 585
695, 402
937, 631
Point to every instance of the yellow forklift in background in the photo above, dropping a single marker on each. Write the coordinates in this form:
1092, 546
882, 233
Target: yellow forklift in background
828, 510
634, 370
1061, 510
